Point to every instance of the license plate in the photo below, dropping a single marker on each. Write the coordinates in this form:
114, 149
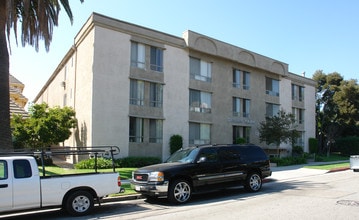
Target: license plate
138, 188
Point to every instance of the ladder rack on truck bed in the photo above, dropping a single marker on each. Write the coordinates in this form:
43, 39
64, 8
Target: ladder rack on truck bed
93, 152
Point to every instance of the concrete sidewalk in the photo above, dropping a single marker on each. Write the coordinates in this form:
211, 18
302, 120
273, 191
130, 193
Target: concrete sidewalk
284, 173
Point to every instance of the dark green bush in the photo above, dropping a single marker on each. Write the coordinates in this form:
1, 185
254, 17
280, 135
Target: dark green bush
176, 143
313, 145
102, 163
240, 141
137, 161
286, 161
347, 145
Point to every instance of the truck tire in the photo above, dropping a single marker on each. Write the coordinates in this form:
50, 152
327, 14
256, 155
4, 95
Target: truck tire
253, 182
79, 203
180, 191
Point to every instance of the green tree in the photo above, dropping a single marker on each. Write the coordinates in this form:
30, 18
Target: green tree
337, 108
37, 18
44, 126
278, 129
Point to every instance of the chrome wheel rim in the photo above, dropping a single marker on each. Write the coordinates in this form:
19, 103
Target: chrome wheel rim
255, 182
182, 192
81, 203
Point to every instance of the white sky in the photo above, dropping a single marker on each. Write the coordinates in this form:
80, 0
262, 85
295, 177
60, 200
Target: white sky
308, 35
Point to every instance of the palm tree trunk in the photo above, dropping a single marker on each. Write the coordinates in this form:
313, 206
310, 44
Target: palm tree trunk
5, 130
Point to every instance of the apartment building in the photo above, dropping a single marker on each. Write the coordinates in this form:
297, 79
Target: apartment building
135, 87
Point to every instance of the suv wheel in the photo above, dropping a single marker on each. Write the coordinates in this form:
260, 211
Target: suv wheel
253, 182
180, 191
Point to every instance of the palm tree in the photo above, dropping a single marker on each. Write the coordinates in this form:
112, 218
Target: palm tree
37, 17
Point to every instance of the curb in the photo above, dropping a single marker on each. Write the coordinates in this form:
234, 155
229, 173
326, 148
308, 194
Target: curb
121, 198
338, 169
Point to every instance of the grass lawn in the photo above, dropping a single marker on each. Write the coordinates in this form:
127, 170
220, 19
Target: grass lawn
330, 166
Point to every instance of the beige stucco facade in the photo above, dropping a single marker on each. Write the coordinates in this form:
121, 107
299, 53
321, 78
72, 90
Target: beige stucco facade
94, 78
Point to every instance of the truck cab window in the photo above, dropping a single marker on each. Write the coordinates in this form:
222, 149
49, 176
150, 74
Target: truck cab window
3, 170
22, 169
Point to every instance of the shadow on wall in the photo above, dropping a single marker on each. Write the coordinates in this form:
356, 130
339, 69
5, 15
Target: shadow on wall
81, 135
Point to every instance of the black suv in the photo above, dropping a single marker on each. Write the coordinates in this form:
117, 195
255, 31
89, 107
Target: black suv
204, 167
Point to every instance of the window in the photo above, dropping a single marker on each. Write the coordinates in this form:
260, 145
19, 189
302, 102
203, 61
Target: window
210, 154
200, 101
22, 169
246, 80
298, 114
241, 107
297, 92
272, 87
236, 106
137, 92
3, 170
271, 109
156, 95
246, 107
138, 55
241, 132
199, 133
239, 76
200, 70
236, 78
301, 93
300, 139
155, 131
156, 60
136, 129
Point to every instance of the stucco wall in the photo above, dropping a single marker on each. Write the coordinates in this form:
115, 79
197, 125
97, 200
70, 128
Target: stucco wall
111, 89
175, 96
83, 89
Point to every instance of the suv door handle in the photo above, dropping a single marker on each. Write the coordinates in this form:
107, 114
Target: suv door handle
3, 185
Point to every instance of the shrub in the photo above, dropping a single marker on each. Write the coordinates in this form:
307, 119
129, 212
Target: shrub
240, 140
102, 163
176, 143
347, 145
286, 161
137, 161
313, 145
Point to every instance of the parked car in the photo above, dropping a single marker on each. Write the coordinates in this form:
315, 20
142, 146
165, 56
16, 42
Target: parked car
22, 187
200, 168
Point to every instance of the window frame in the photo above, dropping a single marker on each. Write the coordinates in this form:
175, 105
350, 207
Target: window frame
199, 133
272, 87
200, 70
156, 59
200, 101
3, 169
137, 92
155, 131
156, 95
272, 109
138, 55
136, 130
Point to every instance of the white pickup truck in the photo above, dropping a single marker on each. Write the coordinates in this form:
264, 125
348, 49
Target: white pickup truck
22, 187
